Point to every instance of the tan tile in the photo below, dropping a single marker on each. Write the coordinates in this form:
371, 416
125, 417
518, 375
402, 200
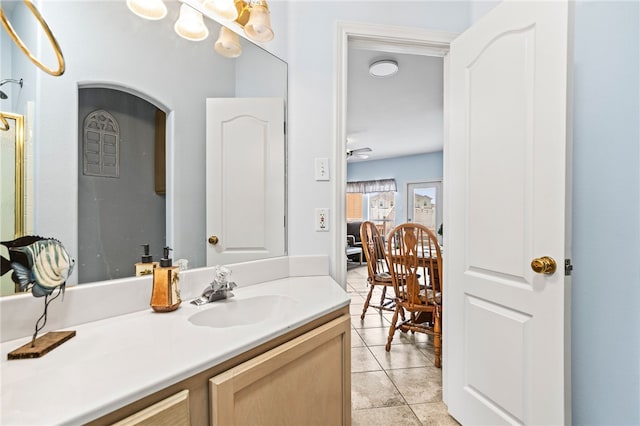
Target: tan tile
363, 360
359, 286
369, 321
355, 307
420, 340
356, 298
350, 288
430, 355
373, 311
374, 336
418, 385
356, 340
434, 414
400, 356
373, 389
387, 416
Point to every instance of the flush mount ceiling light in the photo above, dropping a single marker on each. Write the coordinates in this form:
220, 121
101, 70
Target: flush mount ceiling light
384, 68
250, 16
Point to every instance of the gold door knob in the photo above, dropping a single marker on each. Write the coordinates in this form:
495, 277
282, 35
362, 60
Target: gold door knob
544, 265
213, 240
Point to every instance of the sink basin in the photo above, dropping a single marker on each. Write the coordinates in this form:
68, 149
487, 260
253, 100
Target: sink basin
237, 312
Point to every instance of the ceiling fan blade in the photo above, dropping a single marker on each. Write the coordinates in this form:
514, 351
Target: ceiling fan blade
365, 149
358, 152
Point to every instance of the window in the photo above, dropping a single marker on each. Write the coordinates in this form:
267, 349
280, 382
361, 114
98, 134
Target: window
354, 206
101, 145
382, 210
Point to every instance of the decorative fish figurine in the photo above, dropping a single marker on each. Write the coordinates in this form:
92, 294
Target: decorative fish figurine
50, 266
14, 255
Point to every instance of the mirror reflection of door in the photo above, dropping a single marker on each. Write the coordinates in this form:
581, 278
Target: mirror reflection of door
245, 170
11, 193
120, 204
424, 204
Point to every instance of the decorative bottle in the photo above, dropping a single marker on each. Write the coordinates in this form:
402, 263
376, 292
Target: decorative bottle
165, 296
146, 264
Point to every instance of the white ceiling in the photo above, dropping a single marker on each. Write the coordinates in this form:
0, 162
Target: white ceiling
397, 115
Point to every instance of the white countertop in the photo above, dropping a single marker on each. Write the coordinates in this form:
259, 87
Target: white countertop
113, 362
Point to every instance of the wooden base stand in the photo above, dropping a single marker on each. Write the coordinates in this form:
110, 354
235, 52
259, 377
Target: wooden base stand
42, 345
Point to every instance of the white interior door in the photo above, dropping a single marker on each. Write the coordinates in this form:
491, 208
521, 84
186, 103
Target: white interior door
507, 203
245, 179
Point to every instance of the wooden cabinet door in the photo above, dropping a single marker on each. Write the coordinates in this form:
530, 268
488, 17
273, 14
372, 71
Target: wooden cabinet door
304, 381
173, 411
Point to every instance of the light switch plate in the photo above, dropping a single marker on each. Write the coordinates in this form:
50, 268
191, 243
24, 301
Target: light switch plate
322, 169
322, 220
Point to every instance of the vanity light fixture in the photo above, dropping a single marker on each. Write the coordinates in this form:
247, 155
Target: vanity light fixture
250, 16
190, 24
148, 9
383, 68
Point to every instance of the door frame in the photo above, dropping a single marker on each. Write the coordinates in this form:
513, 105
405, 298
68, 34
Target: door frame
392, 39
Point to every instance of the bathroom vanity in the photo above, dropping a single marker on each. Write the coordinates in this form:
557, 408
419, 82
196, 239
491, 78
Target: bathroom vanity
276, 353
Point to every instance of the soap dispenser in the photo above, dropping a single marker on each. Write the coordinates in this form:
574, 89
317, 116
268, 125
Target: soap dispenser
146, 264
165, 296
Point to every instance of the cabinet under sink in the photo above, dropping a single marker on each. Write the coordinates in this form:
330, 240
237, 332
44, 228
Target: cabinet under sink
302, 377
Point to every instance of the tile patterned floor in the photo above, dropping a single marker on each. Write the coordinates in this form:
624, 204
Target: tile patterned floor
400, 387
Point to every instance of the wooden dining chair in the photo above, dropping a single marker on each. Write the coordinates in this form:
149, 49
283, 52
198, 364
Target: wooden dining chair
377, 266
415, 263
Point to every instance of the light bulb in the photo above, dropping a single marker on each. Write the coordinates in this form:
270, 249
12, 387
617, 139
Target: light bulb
223, 9
259, 26
148, 9
228, 43
190, 24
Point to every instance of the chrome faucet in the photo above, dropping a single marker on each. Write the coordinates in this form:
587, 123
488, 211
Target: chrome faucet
220, 288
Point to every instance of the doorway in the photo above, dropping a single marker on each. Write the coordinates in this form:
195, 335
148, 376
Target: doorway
423, 42
385, 38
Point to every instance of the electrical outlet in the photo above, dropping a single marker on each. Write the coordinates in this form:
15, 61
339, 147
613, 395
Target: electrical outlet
322, 220
322, 169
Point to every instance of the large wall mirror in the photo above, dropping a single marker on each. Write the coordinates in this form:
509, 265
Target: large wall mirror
121, 64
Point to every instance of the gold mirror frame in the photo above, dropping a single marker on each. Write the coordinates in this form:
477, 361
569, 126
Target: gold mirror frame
18, 129
45, 27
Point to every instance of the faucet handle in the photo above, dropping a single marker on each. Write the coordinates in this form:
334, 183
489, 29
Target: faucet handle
216, 285
223, 285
